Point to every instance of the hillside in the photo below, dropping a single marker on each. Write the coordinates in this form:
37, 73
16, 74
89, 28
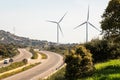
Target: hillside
8, 50
7, 38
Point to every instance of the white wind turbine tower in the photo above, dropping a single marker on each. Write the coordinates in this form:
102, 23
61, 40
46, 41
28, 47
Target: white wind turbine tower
87, 22
58, 27
14, 30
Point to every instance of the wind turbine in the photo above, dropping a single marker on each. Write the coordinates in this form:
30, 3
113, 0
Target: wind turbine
14, 30
58, 27
87, 22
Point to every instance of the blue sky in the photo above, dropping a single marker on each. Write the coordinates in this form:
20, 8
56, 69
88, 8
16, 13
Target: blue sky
29, 18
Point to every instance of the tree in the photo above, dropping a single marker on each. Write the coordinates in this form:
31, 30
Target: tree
111, 20
79, 63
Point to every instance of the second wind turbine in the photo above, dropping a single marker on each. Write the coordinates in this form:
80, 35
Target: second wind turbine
58, 27
87, 22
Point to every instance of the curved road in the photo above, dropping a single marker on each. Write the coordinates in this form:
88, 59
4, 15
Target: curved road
41, 71
23, 54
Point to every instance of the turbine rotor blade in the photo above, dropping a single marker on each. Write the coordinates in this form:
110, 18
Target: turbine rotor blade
62, 17
80, 25
94, 27
51, 21
88, 14
60, 29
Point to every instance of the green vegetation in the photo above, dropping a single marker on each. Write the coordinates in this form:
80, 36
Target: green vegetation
30, 66
79, 63
103, 50
34, 53
11, 66
109, 70
109, 46
44, 56
8, 50
59, 75
18, 71
79, 59
61, 49
111, 20
21, 42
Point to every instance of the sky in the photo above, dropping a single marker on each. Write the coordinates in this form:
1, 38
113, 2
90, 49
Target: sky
27, 18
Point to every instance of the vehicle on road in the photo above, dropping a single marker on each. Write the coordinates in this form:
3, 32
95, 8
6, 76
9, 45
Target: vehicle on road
11, 60
5, 61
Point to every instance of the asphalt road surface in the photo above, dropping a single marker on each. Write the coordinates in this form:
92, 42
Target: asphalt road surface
23, 54
52, 63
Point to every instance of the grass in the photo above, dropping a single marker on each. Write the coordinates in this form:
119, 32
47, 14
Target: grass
44, 56
18, 71
34, 54
59, 75
11, 66
109, 70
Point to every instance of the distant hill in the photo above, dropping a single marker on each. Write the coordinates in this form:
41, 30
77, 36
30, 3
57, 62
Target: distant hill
8, 38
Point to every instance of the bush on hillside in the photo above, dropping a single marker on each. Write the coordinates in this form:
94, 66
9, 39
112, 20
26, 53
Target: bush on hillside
9, 50
79, 63
103, 50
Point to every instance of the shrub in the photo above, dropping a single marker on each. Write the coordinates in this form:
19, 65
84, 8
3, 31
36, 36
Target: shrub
79, 63
103, 50
25, 61
8, 50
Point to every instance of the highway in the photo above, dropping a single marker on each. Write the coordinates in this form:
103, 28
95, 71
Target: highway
53, 62
23, 54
